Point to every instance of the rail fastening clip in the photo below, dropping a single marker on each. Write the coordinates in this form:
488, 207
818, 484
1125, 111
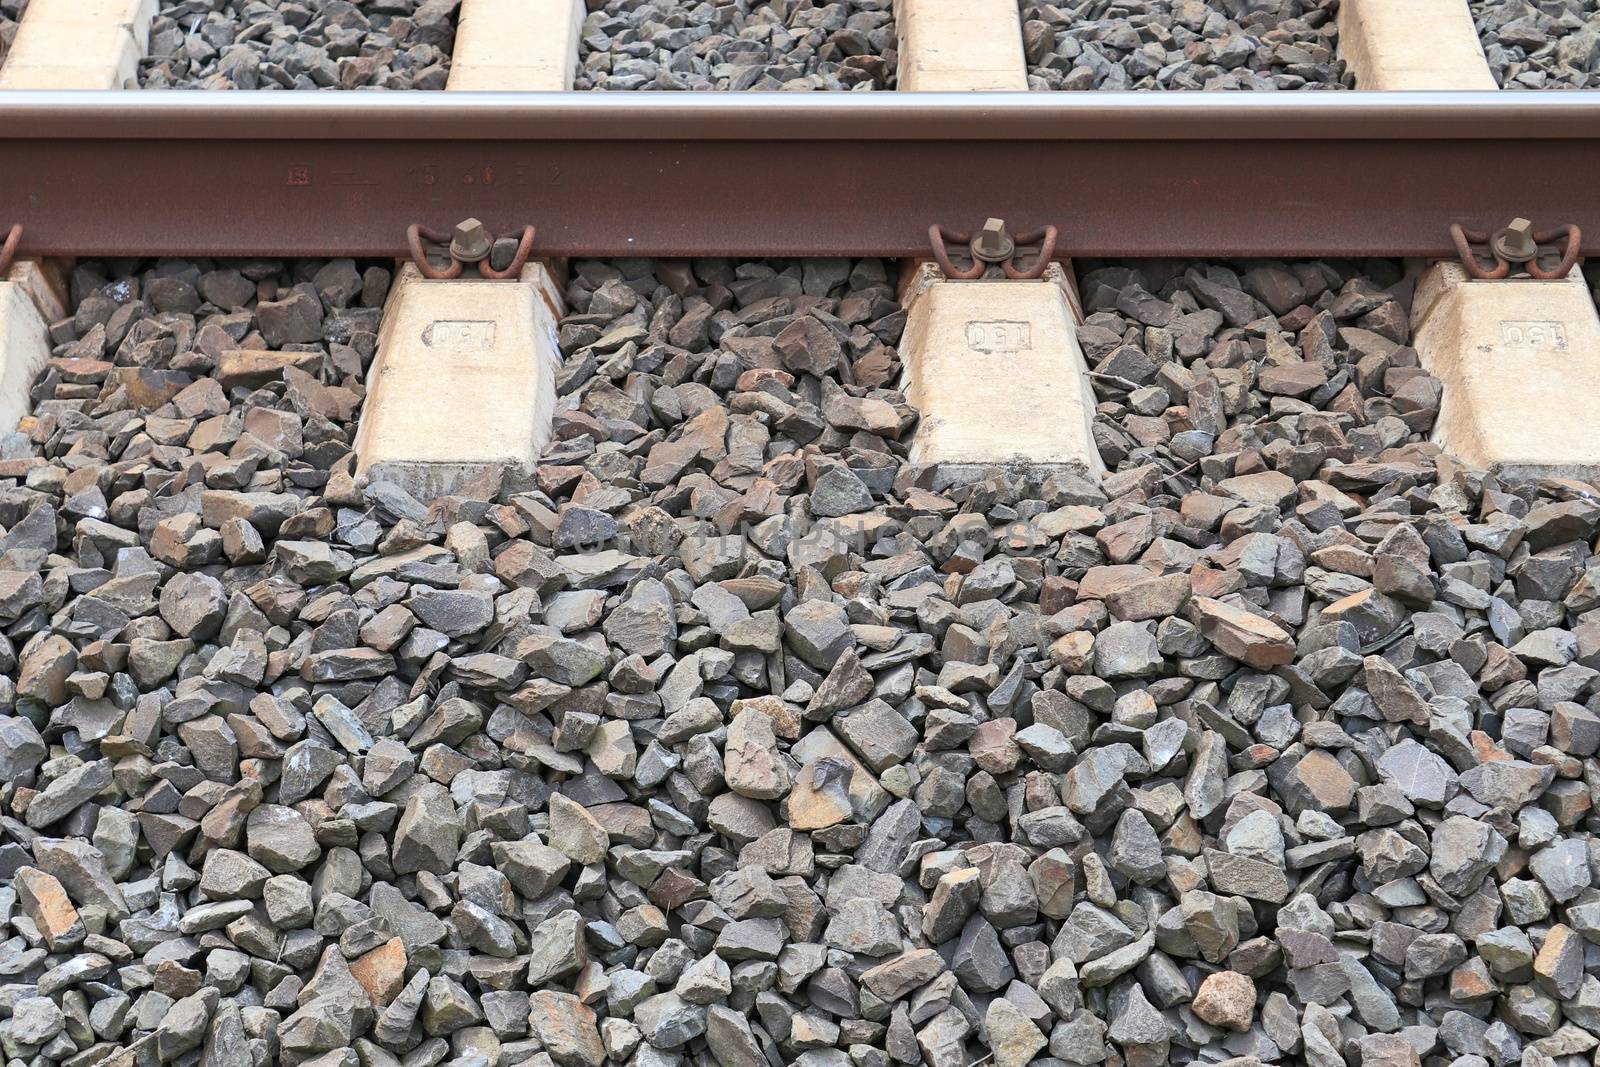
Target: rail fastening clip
469, 243
1515, 248
993, 244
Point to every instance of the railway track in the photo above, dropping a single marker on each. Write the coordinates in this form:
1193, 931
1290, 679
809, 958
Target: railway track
942, 561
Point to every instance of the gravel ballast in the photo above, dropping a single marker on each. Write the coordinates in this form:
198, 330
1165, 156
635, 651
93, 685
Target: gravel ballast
784, 45
1554, 44
300, 44
1182, 44
729, 736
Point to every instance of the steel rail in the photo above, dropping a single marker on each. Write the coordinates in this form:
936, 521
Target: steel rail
1128, 174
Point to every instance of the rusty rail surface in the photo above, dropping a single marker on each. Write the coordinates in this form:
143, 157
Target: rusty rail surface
1146, 174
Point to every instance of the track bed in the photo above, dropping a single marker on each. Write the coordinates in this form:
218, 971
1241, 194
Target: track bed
622, 641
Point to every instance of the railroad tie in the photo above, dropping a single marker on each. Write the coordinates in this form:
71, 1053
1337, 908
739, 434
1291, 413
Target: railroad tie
1418, 45
79, 44
995, 369
1518, 358
975, 348
960, 45
463, 386
30, 299
464, 381
516, 45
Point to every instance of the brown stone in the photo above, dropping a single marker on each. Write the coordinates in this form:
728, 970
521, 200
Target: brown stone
1228, 999
1272, 488
896, 977
785, 716
821, 794
1470, 982
992, 747
1295, 379
1485, 748
576, 833
148, 388
45, 902
1074, 652
1330, 785
1100, 583
1214, 582
382, 971
1558, 968
1054, 880
675, 888
250, 368
1151, 597
1243, 635
567, 1028
1388, 1050
751, 763
44, 669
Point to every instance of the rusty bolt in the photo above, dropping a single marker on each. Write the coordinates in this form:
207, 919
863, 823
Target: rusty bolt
993, 244
1515, 243
471, 242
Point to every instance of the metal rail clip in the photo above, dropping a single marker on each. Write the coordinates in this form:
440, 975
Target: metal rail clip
8, 249
1516, 248
992, 244
470, 242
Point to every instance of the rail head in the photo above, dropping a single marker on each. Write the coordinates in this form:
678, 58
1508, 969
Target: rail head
1124, 116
